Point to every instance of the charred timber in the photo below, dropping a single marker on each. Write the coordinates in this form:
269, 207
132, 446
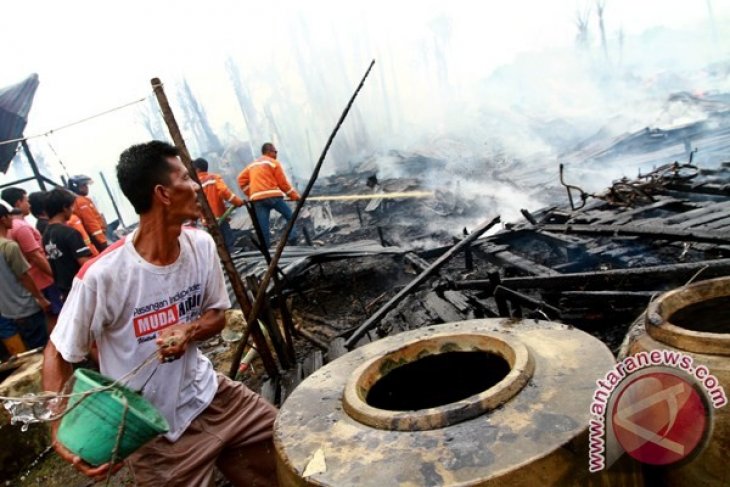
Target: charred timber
640, 278
517, 297
657, 233
498, 254
436, 265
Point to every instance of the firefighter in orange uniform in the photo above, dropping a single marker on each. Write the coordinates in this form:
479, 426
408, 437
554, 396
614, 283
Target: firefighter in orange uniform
217, 194
265, 184
84, 208
75, 223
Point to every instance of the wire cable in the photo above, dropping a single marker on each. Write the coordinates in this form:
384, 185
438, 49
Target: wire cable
86, 119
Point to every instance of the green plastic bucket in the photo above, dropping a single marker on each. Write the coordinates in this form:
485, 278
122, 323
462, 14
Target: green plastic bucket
90, 429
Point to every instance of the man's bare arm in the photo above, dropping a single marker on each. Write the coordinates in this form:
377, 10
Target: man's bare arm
38, 260
28, 284
56, 372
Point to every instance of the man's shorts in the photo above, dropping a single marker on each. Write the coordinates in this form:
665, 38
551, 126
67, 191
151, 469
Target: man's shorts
54, 296
234, 433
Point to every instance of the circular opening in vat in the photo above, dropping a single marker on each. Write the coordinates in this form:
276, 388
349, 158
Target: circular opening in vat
708, 316
440, 380
694, 318
436, 380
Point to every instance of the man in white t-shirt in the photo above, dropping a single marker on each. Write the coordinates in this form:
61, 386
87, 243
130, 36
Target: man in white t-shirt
159, 291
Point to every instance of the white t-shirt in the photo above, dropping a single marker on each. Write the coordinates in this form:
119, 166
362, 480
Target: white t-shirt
121, 301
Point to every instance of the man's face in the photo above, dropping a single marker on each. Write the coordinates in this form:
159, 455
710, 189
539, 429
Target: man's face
84, 189
272, 153
23, 205
182, 192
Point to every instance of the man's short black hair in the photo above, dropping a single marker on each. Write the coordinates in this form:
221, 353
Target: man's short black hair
200, 164
58, 200
37, 201
12, 195
267, 147
4, 211
141, 168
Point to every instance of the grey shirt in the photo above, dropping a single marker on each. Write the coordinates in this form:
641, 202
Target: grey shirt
15, 301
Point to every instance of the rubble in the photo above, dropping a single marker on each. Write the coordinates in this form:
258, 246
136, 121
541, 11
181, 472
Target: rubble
595, 268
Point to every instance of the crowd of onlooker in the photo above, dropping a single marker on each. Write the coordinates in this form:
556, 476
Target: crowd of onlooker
38, 262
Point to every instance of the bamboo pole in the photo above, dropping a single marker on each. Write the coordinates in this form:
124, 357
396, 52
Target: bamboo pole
278, 288
258, 302
212, 226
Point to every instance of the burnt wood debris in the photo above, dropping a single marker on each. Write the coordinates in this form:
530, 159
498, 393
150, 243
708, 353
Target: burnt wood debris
595, 267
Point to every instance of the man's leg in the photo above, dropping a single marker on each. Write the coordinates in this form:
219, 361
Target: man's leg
283, 209
33, 330
262, 208
248, 457
55, 297
227, 235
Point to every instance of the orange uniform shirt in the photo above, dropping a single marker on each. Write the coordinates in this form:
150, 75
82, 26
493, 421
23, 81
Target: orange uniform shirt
217, 193
265, 178
75, 223
90, 218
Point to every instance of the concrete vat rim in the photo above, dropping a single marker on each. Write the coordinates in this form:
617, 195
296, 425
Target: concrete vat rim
661, 309
512, 350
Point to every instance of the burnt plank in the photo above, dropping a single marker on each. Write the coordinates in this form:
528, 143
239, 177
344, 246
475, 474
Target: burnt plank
661, 233
497, 255
651, 277
703, 220
718, 224
518, 298
627, 216
699, 212
441, 308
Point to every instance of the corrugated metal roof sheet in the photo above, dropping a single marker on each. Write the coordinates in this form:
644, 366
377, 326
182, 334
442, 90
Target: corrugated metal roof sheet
15, 103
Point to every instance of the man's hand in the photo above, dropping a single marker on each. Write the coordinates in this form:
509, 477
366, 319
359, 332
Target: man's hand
173, 341
96, 473
295, 196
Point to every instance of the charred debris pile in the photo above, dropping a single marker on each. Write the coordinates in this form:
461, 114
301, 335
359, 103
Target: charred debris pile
386, 266
594, 264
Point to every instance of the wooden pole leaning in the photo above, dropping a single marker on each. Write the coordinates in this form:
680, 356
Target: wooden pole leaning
235, 279
260, 295
286, 317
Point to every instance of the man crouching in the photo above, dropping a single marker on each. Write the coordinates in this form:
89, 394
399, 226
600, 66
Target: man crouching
161, 290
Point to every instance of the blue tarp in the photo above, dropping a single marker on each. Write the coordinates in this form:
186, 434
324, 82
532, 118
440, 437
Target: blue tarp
15, 103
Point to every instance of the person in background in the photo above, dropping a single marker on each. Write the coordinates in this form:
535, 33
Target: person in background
160, 292
64, 245
31, 245
84, 208
37, 202
265, 185
75, 222
20, 300
217, 194
12, 341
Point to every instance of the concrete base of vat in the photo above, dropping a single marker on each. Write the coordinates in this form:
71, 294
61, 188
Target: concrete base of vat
537, 438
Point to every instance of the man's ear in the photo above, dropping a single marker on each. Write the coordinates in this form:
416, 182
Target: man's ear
162, 195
